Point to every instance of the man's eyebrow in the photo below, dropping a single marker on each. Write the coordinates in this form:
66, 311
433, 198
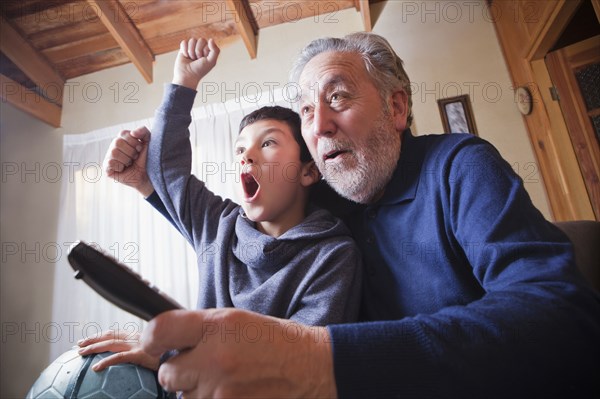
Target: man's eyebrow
333, 81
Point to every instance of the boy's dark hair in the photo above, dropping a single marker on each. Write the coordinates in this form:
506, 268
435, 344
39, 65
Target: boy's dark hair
286, 115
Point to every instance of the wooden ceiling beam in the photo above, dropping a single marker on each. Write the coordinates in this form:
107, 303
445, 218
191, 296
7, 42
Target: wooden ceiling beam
596, 4
365, 12
30, 61
29, 101
243, 22
115, 18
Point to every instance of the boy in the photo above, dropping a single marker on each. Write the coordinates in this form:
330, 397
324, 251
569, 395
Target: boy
274, 254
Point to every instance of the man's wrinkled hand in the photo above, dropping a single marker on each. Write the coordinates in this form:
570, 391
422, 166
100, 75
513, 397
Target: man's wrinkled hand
237, 353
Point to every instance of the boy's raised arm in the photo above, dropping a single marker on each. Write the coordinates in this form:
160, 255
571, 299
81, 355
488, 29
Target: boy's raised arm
194, 209
125, 159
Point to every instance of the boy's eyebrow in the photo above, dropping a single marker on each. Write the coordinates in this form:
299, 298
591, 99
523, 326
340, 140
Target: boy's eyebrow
263, 133
271, 130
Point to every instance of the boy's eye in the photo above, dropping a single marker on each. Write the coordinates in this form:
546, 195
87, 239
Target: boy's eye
268, 143
305, 110
239, 150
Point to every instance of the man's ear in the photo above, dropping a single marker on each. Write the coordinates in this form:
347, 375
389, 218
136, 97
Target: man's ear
310, 174
399, 109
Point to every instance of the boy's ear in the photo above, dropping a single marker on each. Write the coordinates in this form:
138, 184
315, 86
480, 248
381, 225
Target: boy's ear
310, 174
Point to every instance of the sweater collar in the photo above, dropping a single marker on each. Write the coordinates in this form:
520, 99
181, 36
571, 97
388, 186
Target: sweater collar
405, 179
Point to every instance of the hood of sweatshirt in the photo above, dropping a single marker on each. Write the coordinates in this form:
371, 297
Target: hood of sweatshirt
259, 250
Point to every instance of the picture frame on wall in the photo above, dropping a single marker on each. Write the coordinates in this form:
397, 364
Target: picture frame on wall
457, 115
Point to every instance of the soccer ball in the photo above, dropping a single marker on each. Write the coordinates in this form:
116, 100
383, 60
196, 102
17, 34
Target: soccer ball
71, 376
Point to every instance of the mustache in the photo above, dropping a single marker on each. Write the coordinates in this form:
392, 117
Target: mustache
326, 146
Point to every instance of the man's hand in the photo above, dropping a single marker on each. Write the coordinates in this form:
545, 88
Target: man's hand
125, 160
232, 353
195, 59
126, 346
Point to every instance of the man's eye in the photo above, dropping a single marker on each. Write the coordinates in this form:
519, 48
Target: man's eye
305, 110
268, 143
336, 98
239, 151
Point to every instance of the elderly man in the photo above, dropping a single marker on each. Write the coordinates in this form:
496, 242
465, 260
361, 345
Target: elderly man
469, 292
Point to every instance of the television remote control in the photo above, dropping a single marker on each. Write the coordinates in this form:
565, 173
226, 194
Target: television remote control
118, 283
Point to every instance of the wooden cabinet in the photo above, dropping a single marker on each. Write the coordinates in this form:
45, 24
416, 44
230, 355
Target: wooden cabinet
575, 72
527, 30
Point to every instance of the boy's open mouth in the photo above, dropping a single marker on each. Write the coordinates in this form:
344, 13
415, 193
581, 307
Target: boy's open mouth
250, 184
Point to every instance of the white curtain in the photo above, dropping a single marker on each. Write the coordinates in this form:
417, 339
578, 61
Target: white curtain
117, 219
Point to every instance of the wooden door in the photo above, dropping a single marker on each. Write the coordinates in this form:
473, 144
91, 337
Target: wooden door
575, 73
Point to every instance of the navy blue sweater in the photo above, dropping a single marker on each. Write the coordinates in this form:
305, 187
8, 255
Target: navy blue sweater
476, 294
469, 292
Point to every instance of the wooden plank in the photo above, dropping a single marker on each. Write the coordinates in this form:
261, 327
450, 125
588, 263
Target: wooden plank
365, 12
550, 29
54, 15
27, 58
168, 16
93, 63
66, 34
270, 13
244, 25
596, 4
73, 60
29, 101
170, 42
15, 9
118, 23
80, 48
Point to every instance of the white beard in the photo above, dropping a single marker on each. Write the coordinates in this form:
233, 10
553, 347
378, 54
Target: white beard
368, 166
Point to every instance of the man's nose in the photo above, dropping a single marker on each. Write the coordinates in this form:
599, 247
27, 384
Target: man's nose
323, 123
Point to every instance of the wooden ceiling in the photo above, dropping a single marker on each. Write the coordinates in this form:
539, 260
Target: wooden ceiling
46, 42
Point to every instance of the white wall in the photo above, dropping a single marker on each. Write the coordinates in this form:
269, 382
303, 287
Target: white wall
465, 52
28, 219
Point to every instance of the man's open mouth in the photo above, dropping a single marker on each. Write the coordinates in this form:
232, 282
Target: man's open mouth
333, 154
250, 184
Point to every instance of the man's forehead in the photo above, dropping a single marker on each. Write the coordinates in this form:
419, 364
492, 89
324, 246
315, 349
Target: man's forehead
329, 72
328, 59
331, 68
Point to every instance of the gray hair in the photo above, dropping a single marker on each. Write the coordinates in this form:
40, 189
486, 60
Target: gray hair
381, 61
